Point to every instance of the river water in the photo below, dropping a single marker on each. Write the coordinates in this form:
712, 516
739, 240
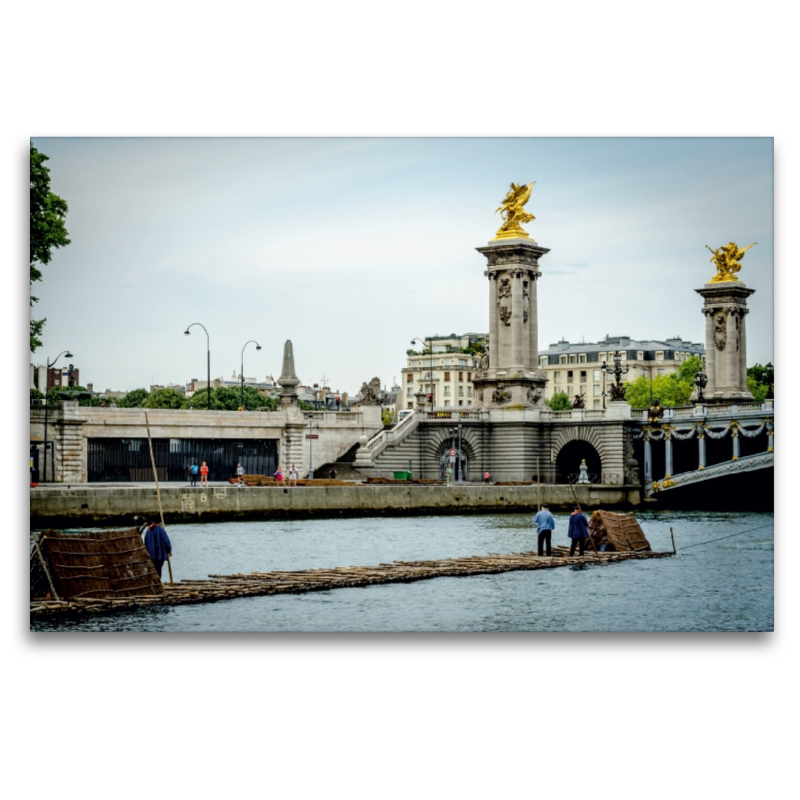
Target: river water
726, 585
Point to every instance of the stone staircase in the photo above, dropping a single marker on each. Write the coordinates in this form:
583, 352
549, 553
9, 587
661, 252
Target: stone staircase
343, 466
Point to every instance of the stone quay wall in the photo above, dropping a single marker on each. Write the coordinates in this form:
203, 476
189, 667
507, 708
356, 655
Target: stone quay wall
70, 426
96, 504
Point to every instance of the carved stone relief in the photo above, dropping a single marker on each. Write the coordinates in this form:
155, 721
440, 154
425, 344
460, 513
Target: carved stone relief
720, 334
505, 315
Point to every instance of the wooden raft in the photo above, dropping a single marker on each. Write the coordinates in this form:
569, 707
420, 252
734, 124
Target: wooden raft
224, 587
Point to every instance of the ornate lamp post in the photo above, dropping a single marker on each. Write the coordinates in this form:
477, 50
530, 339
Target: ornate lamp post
46, 381
770, 381
430, 352
310, 447
208, 358
241, 375
700, 382
617, 389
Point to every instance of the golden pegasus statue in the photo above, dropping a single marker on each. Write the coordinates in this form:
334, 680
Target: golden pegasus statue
726, 259
513, 213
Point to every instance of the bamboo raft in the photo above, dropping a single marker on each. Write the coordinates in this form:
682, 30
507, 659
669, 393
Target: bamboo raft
227, 587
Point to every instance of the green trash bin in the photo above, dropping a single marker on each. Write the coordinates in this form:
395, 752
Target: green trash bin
402, 476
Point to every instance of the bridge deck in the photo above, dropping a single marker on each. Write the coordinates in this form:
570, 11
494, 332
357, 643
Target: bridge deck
742, 464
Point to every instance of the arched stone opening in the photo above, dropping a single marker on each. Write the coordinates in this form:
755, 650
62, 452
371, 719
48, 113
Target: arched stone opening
568, 461
461, 465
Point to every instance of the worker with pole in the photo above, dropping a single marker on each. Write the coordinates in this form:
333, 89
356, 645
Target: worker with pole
578, 530
160, 543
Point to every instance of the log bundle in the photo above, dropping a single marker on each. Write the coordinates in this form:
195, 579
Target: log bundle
225, 587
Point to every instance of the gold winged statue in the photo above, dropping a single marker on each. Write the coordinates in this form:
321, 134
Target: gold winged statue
513, 213
726, 259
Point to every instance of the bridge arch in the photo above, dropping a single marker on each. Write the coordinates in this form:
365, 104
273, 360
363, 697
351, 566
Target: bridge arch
465, 460
573, 444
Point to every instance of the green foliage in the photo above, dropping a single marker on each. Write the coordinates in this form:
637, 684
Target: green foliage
559, 402
670, 390
304, 406
690, 368
36, 394
224, 398
758, 381
475, 348
47, 230
413, 352
388, 417
164, 398
58, 394
134, 399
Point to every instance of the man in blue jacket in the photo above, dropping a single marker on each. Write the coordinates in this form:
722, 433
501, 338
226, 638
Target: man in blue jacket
545, 525
158, 545
578, 530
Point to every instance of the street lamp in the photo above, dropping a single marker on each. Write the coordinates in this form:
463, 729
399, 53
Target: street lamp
46, 381
700, 382
208, 358
430, 344
258, 347
770, 381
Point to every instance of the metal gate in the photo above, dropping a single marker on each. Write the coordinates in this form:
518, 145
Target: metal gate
125, 460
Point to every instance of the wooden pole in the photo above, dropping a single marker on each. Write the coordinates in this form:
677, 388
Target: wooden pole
158, 490
44, 567
672, 535
577, 503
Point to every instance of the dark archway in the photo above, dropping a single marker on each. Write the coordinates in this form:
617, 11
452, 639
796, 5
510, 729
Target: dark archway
568, 461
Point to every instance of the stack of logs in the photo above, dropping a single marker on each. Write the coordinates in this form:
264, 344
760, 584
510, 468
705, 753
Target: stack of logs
222, 587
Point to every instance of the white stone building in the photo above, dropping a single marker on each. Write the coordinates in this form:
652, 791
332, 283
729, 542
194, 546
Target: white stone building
442, 369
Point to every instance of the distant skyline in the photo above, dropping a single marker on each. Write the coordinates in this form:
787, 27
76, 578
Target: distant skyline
352, 247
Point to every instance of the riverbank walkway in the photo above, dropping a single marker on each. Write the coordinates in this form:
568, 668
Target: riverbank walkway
227, 587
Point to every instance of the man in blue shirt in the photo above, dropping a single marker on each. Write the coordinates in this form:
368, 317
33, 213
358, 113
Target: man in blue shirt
158, 545
194, 471
545, 525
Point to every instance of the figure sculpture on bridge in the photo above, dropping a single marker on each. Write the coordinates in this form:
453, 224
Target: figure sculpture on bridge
726, 259
513, 213
579, 402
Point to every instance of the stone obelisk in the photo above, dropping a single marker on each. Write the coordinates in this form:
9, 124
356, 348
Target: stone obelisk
725, 310
288, 380
512, 376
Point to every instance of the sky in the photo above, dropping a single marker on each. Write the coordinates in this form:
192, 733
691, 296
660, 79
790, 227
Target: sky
351, 247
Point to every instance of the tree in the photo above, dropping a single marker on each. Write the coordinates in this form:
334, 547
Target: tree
670, 390
758, 381
36, 394
164, 398
47, 229
134, 399
304, 406
559, 402
690, 368
224, 398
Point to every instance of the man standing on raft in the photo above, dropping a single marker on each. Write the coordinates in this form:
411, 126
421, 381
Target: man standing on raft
158, 545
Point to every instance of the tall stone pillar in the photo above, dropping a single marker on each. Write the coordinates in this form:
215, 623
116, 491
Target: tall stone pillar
513, 376
725, 308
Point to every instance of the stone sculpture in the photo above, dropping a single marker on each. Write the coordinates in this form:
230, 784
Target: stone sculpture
371, 394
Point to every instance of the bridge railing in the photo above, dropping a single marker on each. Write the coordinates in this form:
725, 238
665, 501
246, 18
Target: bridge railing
703, 410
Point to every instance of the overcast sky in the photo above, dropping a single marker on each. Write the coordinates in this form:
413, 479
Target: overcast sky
352, 247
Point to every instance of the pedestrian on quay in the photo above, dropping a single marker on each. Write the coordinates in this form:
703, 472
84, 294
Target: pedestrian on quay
578, 530
240, 474
293, 475
194, 471
158, 545
449, 473
279, 475
545, 525
204, 474
486, 477
333, 473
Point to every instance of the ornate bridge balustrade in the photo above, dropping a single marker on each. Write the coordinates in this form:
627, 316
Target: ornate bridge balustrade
709, 426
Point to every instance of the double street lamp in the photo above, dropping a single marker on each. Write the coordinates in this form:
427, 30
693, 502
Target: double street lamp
258, 347
208, 357
46, 381
455, 438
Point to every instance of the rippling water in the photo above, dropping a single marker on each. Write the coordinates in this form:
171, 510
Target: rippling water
723, 586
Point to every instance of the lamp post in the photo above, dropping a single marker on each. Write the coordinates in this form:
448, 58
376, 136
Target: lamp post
241, 375
46, 381
770, 380
617, 389
700, 382
208, 358
430, 341
310, 448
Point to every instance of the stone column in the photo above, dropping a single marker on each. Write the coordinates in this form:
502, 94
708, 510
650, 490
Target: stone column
731, 352
648, 459
668, 453
742, 351
494, 327
533, 323
516, 320
711, 350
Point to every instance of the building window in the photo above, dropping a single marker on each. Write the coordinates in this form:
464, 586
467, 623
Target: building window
469, 376
543, 361
583, 389
640, 355
461, 402
447, 402
410, 392
462, 362
461, 376
562, 359
583, 374
410, 378
447, 376
660, 372
595, 404
556, 377
447, 390
410, 405
660, 355
596, 391
582, 358
569, 376
596, 375
573, 360
602, 356
461, 391
469, 391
